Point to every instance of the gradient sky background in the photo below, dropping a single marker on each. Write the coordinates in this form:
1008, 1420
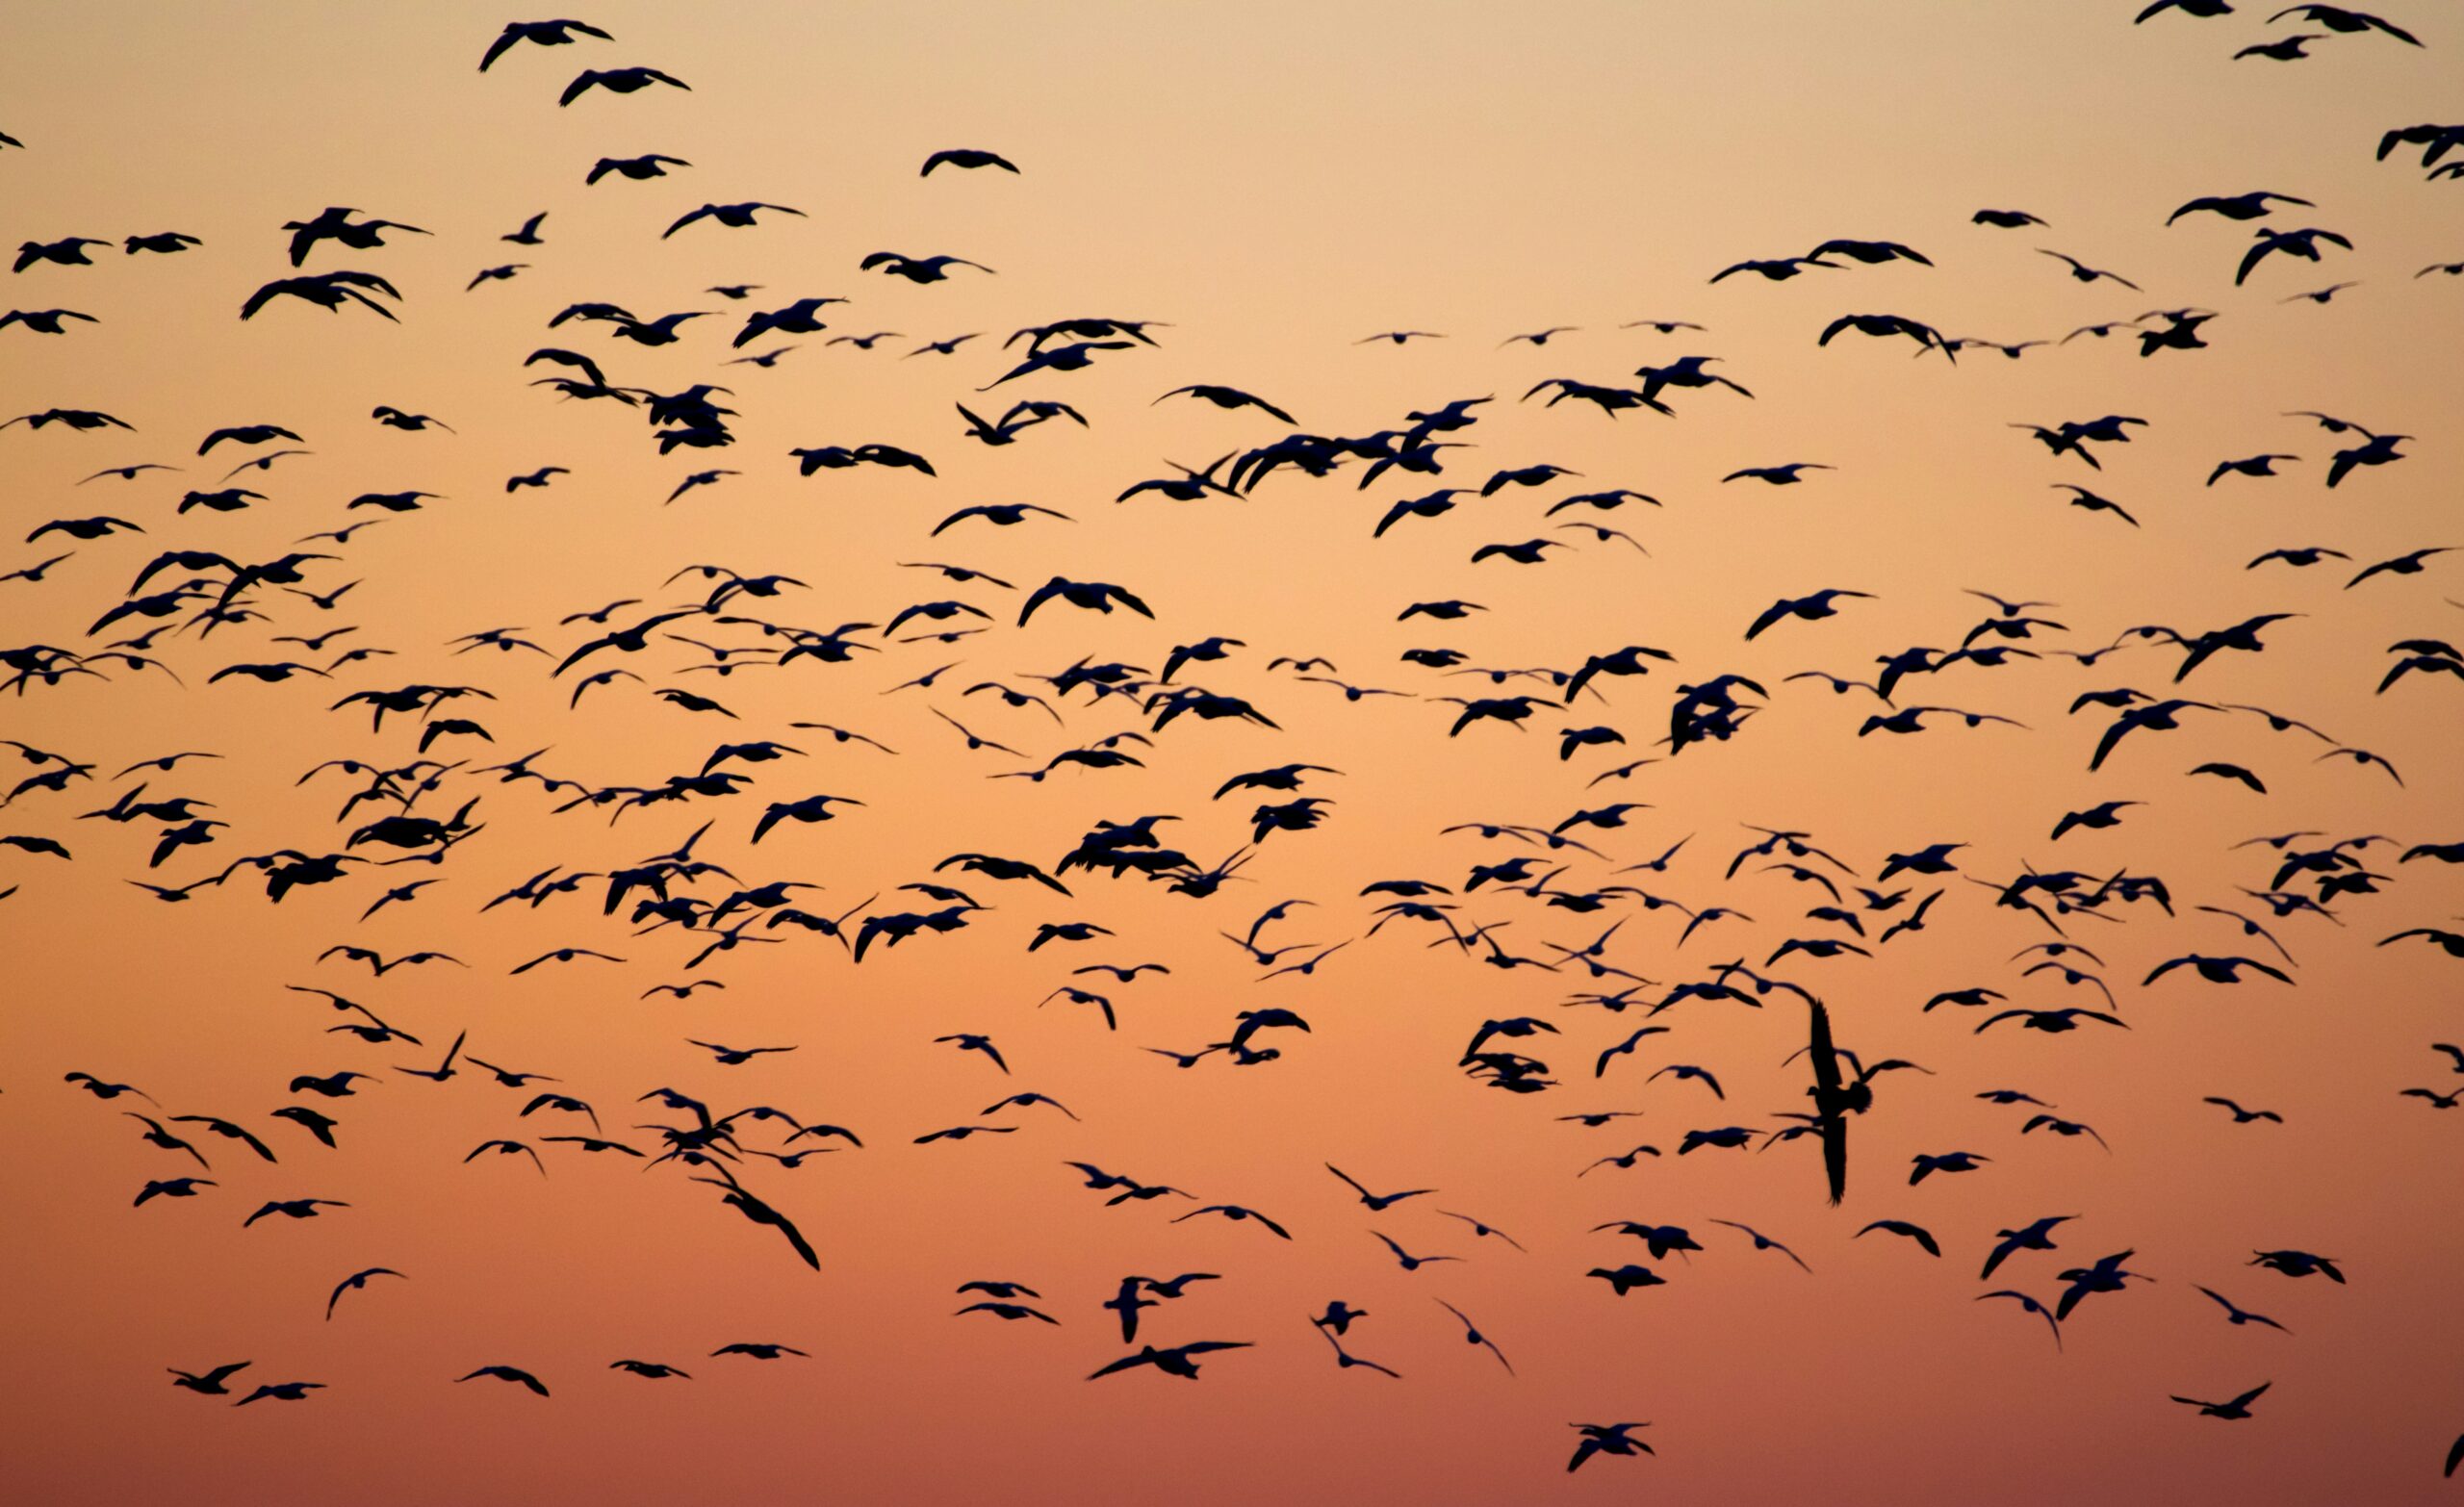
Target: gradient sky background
1275, 181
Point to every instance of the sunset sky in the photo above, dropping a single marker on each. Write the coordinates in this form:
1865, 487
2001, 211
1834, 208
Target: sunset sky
1269, 183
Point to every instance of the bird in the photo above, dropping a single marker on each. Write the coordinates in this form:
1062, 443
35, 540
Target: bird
2336, 18
616, 81
329, 290
917, 269
2082, 272
1376, 1203
1777, 270
2029, 1305
544, 34
2285, 49
965, 158
2237, 1317
508, 1373
738, 215
168, 243
293, 1209
2304, 243
280, 1392
2299, 1264
1917, 1232
2407, 563
2036, 1236
1884, 326
1091, 595
1012, 1311
1345, 1360
2234, 1408
43, 321
1175, 1361
2215, 970
2257, 205
1786, 475
1228, 398
1607, 1439
638, 170
208, 1383
356, 1282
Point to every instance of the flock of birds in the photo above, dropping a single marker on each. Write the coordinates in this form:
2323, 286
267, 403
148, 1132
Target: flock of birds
430, 772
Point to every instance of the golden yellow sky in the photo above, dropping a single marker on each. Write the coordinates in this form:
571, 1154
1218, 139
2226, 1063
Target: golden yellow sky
1271, 183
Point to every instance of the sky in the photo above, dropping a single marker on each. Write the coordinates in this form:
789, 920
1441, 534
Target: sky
1270, 184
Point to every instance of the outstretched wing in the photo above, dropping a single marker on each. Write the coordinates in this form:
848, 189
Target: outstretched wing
1827, 1091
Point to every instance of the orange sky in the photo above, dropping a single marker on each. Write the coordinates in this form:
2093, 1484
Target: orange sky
1271, 182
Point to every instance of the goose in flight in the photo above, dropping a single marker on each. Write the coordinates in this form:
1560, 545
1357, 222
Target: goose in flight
1176, 1361
2345, 23
964, 157
542, 33
618, 81
738, 215
2233, 1408
1606, 1439
2081, 271
2257, 204
917, 268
